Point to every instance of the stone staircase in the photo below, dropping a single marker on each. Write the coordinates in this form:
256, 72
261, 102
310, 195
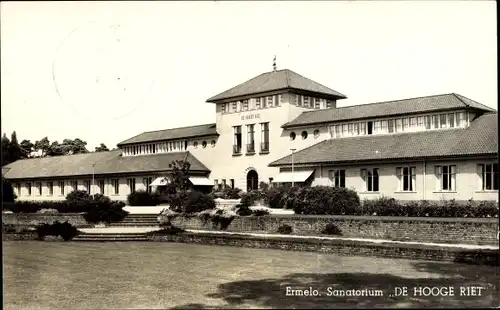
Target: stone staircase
137, 220
102, 237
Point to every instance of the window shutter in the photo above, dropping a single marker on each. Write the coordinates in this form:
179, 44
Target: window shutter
438, 177
480, 171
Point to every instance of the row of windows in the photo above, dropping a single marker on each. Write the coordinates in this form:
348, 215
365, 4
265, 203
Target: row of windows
274, 101
250, 132
405, 124
64, 189
445, 178
304, 134
164, 147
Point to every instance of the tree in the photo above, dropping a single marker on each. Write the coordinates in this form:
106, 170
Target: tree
76, 146
101, 148
56, 149
26, 148
43, 146
14, 148
179, 177
6, 158
8, 194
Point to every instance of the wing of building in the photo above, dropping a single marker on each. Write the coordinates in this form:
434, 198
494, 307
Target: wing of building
283, 128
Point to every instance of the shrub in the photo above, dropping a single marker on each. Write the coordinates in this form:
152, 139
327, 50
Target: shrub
285, 229
231, 193
263, 186
107, 213
273, 197
260, 212
248, 199
65, 230
79, 197
220, 218
166, 216
325, 200
143, 198
9, 228
8, 194
331, 229
243, 210
190, 202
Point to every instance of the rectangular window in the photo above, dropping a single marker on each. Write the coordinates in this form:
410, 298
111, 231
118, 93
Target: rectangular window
317, 103
234, 106
446, 176
362, 129
86, 185
50, 187
451, 120
405, 123
383, 126
420, 122
337, 178
435, 121
399, 125
38, 188
131, 185
232, 183
390, 126
351, 129
269, 101
61, 188
306, 102
338, 131
413, 123
356, 129
370, 128
428, 122
489, 176
100, 184
460, 118
371, 179
147, 182
237, 140
442, 120
250, 138
245, 105
18, 189
28, 187
407, 178
224, 185
344, 130
257, 103
376, 127
264, 138
116, 186
73, 185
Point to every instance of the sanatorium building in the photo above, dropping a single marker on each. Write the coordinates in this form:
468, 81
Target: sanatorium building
281, 128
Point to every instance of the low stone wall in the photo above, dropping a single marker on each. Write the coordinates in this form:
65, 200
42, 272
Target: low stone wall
35, 219
342, 247
437, 230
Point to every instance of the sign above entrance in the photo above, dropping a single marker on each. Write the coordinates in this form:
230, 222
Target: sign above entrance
250, 116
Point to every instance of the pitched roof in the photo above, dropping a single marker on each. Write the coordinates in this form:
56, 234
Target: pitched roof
481, 137
276, 80
387, 108
105, 163
173, 133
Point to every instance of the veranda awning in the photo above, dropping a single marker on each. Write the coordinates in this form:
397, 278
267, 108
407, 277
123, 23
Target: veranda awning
296, 176
201, 181
161, 181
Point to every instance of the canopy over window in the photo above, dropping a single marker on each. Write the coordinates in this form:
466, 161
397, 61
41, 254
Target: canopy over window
161, 181
296, 176
201, 181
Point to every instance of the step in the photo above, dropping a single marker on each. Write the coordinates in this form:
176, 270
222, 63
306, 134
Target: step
133, 225
110, 239
111, 235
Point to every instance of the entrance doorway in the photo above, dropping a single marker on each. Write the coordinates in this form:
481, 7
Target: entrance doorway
252, 180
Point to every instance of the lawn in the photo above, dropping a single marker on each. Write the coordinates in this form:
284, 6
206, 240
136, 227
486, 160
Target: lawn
71, 275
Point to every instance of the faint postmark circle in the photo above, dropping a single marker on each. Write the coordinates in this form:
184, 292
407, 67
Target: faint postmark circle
101, 73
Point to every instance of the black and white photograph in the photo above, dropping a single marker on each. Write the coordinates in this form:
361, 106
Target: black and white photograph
249, 154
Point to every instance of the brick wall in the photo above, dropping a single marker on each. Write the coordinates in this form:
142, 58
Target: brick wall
34, 219
437, 230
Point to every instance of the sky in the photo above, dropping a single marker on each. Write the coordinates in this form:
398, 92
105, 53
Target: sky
107, 71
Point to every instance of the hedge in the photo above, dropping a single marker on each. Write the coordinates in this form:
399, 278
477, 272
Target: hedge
191, 201
143, 198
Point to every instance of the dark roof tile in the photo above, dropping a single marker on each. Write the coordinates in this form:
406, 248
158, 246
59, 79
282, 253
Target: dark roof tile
173, 133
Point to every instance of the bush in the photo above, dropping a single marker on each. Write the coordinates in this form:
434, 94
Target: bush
263, 186
220, 218
170, 230
79, 197
8, 194
143, 198
331, 229
166, 216
273, 197
285, 229
260, 212
65, 230
248, 199
325, 200
243, 210
190, 202
231, 193
107, 213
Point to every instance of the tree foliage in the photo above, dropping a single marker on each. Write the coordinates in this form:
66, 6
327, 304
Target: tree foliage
8, 194
179, 177
101, 148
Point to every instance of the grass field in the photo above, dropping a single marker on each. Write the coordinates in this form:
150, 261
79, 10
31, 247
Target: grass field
50, 275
